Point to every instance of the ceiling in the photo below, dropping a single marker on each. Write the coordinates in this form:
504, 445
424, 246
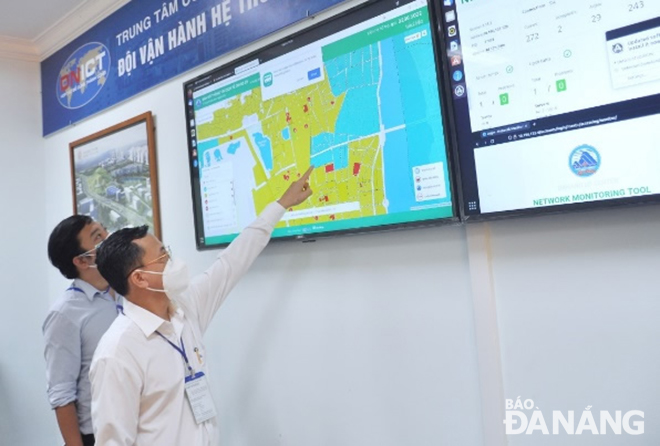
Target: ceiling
29, 19
35, 29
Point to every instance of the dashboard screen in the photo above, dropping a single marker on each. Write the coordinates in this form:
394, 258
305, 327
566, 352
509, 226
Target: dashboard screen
357, 97
556, 102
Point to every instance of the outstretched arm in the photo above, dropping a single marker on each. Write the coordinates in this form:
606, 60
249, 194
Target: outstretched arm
209, 290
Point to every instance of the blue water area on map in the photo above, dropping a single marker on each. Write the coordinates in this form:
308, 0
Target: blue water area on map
409, 95
329, 148
426, 130
203, 146
356, 74
322, 141
419, 94
398, 172
286, 134
233, 147
390, 92
264, 145
218, 155
359, 114
335, 69
338, 156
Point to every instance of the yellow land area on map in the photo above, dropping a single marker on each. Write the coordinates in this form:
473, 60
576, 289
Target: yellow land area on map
306, 113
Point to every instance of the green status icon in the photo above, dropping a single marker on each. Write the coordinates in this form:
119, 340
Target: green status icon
504, 99
561, 85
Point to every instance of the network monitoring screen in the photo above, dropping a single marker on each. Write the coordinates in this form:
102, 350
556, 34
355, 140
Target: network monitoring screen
356, 97
557, 102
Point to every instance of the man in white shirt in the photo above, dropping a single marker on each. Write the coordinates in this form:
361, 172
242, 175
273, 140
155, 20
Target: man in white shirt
149, 383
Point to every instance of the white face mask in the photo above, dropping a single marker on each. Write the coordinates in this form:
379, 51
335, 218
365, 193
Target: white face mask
176, 279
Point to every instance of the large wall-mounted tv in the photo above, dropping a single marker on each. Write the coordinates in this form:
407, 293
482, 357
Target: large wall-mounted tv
556, 103
356, 96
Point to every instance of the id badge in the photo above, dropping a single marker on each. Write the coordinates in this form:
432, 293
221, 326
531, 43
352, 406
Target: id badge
199, 397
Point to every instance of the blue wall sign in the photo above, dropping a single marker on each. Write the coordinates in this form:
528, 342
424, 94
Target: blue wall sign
147, 42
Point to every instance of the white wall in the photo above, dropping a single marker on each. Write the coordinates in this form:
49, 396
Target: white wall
364, 340
578, 301
23, 260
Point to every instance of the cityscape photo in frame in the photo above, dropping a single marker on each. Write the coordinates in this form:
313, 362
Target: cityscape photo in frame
114, 175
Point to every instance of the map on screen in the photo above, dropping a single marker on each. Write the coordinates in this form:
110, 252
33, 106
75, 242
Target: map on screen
360, 104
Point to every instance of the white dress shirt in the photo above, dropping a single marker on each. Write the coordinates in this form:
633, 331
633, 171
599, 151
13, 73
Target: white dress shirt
138, 395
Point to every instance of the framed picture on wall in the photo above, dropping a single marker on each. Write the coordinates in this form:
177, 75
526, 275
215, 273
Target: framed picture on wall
114, 178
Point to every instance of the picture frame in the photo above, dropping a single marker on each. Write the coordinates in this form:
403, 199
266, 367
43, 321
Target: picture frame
114, 177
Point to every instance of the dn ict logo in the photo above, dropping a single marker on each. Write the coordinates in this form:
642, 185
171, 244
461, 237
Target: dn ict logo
83, 75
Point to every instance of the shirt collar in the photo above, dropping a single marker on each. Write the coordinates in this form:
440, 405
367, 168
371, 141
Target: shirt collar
144, 319
148, 322
87, 289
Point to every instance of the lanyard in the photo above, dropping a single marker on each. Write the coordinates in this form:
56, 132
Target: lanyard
120, 308
181, 350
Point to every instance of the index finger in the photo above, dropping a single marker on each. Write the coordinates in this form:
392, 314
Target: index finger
305, 177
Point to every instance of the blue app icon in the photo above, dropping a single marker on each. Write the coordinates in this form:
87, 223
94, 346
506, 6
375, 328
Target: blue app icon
458, 75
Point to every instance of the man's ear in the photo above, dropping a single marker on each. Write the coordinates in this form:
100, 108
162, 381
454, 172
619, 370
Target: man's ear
138, 280
80, 263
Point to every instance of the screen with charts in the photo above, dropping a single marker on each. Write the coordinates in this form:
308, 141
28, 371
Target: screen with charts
557, 102
357, 97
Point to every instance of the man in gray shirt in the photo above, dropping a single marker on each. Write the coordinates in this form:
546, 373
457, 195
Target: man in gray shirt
75, 324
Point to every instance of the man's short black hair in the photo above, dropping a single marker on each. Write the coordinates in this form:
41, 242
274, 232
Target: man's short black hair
118, 256
64, 245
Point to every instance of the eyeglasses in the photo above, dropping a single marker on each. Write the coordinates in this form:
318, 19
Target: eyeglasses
92, 252
166, 256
